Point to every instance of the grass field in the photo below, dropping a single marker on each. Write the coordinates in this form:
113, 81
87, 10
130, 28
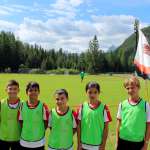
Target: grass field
112, 92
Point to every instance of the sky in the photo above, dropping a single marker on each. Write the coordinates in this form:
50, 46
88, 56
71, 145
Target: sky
71, 24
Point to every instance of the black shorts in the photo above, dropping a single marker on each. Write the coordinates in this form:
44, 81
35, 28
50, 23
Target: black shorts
9, 145
38, 148
128, 145
82, 78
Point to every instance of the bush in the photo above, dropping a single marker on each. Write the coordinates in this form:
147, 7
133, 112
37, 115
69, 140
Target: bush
7, 70
63, 71
54, 71
36, 71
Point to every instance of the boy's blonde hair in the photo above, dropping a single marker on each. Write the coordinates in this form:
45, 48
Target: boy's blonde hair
133, 80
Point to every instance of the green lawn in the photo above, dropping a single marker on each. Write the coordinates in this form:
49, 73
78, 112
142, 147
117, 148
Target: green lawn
112, 92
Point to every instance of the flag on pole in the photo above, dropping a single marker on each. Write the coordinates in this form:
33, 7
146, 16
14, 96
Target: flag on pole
142, 57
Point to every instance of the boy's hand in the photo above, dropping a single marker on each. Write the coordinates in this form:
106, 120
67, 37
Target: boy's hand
102, 147
79, 147
116, 145
145, 147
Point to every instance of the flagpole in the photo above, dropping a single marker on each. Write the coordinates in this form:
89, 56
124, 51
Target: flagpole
136, 27
146, 88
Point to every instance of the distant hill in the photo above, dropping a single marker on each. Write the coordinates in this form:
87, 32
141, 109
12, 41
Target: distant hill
112, 48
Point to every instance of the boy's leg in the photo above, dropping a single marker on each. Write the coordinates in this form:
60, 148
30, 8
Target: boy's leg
15, 146
137, 145
40, 148
4, 145
24, 148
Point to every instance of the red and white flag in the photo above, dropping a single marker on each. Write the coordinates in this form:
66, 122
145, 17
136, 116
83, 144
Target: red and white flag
142, 57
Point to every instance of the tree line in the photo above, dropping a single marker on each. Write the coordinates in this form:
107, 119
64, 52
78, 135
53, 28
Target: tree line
15, 54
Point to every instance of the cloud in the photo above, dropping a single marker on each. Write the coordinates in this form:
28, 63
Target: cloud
8, 26
62, 28
56, 33
113, 30
74, 35
13, 9
66, 4
3, 12
134, 3
64, 8
9, 10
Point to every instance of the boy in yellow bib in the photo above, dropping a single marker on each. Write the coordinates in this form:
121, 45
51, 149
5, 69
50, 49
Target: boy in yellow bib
33, 120
94, 118
133, 119
62, 123
9, 127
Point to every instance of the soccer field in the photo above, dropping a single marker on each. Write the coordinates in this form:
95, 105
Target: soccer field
112, 92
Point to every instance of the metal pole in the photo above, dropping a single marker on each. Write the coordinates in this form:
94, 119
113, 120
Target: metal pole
136, 27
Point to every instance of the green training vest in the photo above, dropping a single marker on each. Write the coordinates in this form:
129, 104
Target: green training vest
61, 135
33, 128
92, 124
133, 121
9, 126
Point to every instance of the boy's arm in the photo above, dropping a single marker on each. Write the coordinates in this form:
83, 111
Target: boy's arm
0, 111
74, 130
19, 118
107, 120
147, 137
50, 120
117, 131
45, 115
75, 115
79, 110
79, 134
118, 123
147, 133
105, 135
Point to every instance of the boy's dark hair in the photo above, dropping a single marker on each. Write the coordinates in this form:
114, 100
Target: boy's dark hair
12, 82
92, 85
32, 84
62, 91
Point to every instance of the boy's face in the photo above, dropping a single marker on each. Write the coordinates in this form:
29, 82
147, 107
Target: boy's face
93, 94
132, 90
61, 99
12, 91
33, 93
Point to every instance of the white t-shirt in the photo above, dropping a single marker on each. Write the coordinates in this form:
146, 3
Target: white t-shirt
14, 106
